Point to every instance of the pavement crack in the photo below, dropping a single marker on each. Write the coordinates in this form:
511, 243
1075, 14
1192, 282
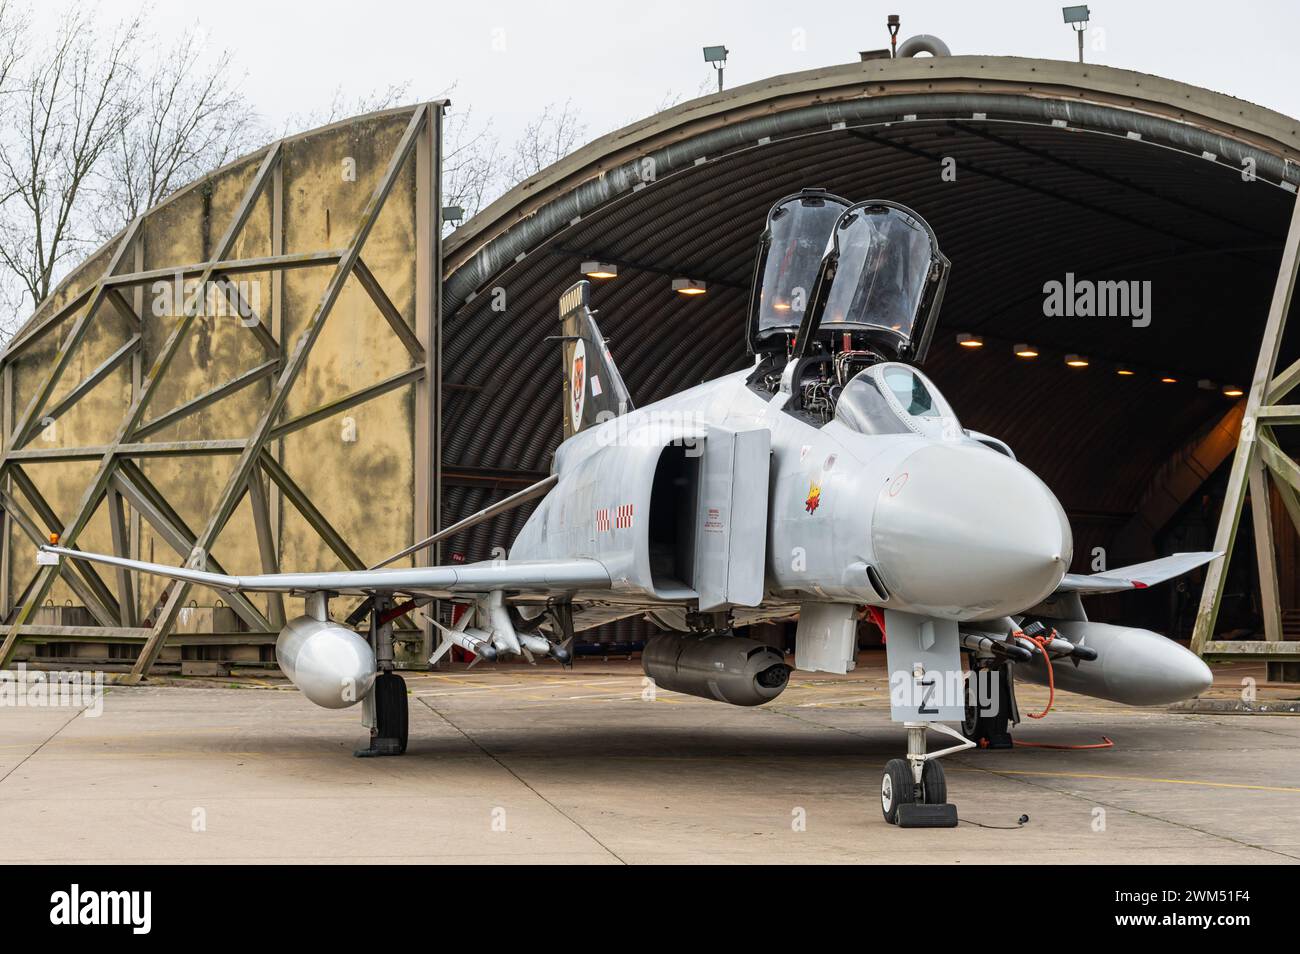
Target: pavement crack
520, 779
44, 742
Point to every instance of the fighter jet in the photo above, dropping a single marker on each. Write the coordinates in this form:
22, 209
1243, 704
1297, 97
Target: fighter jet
829, 483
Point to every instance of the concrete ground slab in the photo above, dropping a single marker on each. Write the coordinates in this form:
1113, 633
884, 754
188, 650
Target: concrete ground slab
517, 764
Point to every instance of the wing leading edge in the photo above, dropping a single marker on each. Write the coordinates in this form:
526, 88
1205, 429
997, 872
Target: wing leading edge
1136, 577
542, 576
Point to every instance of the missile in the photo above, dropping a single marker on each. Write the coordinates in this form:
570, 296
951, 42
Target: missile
981, 642
535, 643
475, 641
1059, 647
541, 646
471, 640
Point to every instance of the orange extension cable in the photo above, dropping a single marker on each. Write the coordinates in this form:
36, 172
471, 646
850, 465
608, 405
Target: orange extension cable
1041, 643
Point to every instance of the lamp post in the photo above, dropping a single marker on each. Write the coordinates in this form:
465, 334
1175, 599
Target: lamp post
1077, 17
717, 55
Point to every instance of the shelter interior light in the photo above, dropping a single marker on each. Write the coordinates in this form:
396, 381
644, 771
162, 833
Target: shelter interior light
970, 341
689, 286
1168, 380
600, 269
1025, 351
1076, 360
1124, 371
1231, 390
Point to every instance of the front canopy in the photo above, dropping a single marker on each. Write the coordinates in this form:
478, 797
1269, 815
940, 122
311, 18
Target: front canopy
789, 255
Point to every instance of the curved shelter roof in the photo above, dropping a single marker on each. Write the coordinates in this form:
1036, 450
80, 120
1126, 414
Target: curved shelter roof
1060, 168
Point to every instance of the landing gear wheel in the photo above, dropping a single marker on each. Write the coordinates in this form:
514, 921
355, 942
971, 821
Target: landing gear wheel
896, 788
934, 786
391, 710
987, 721
970, 723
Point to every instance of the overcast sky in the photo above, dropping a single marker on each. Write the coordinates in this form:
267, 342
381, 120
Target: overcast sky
618, 61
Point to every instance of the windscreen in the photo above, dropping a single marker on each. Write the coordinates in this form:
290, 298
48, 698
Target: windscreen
800, 228
863, 408
893, 398
884, 260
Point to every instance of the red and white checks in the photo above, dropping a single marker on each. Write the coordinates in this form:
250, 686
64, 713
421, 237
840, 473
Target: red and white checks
624, 518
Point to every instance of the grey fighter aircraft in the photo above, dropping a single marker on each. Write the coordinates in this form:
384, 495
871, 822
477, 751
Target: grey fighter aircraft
829, 483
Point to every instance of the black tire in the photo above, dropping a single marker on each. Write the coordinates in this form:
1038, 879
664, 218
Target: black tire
970, 723
391, 709
896, 788
934, 785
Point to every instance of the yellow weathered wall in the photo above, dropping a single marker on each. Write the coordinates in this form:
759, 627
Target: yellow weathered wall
366, 488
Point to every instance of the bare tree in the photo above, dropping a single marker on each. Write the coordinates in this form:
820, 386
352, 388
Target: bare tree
471, 162
549, 138
186, 120
342, 106
13, 38
66, 116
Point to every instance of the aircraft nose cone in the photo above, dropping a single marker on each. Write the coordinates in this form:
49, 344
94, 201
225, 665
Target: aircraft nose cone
965, 532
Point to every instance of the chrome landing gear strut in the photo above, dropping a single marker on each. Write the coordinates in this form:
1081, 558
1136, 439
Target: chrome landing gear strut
913, 791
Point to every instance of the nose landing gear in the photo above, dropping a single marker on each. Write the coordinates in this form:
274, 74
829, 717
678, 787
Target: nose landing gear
914, 791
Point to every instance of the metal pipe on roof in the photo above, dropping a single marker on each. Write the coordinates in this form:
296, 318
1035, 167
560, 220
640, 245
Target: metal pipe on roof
923, 43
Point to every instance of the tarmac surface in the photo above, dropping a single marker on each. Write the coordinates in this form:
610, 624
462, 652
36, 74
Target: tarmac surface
522, 764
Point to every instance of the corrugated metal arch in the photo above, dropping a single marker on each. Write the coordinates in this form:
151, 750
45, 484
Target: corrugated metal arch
1061, 167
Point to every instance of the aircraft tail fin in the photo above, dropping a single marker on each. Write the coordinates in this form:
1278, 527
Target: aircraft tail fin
593, 389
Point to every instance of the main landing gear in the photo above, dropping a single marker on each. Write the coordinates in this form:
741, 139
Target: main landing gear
913, 791
386, 711
990, 704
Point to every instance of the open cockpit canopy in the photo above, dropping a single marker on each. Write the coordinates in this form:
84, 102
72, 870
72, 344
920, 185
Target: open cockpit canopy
880, 282
798, 231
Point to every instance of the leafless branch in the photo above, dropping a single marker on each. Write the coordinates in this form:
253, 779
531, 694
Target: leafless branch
66, 115
549, 138
187, 119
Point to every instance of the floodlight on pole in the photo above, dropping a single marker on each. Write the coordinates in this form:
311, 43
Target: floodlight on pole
717, 55
1077, 17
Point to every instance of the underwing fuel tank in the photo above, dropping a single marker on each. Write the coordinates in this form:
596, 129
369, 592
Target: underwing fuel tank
330, 664
1133, 666
731, 669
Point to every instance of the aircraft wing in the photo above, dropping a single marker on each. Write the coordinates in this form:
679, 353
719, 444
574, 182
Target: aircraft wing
1136, 577
533, 576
